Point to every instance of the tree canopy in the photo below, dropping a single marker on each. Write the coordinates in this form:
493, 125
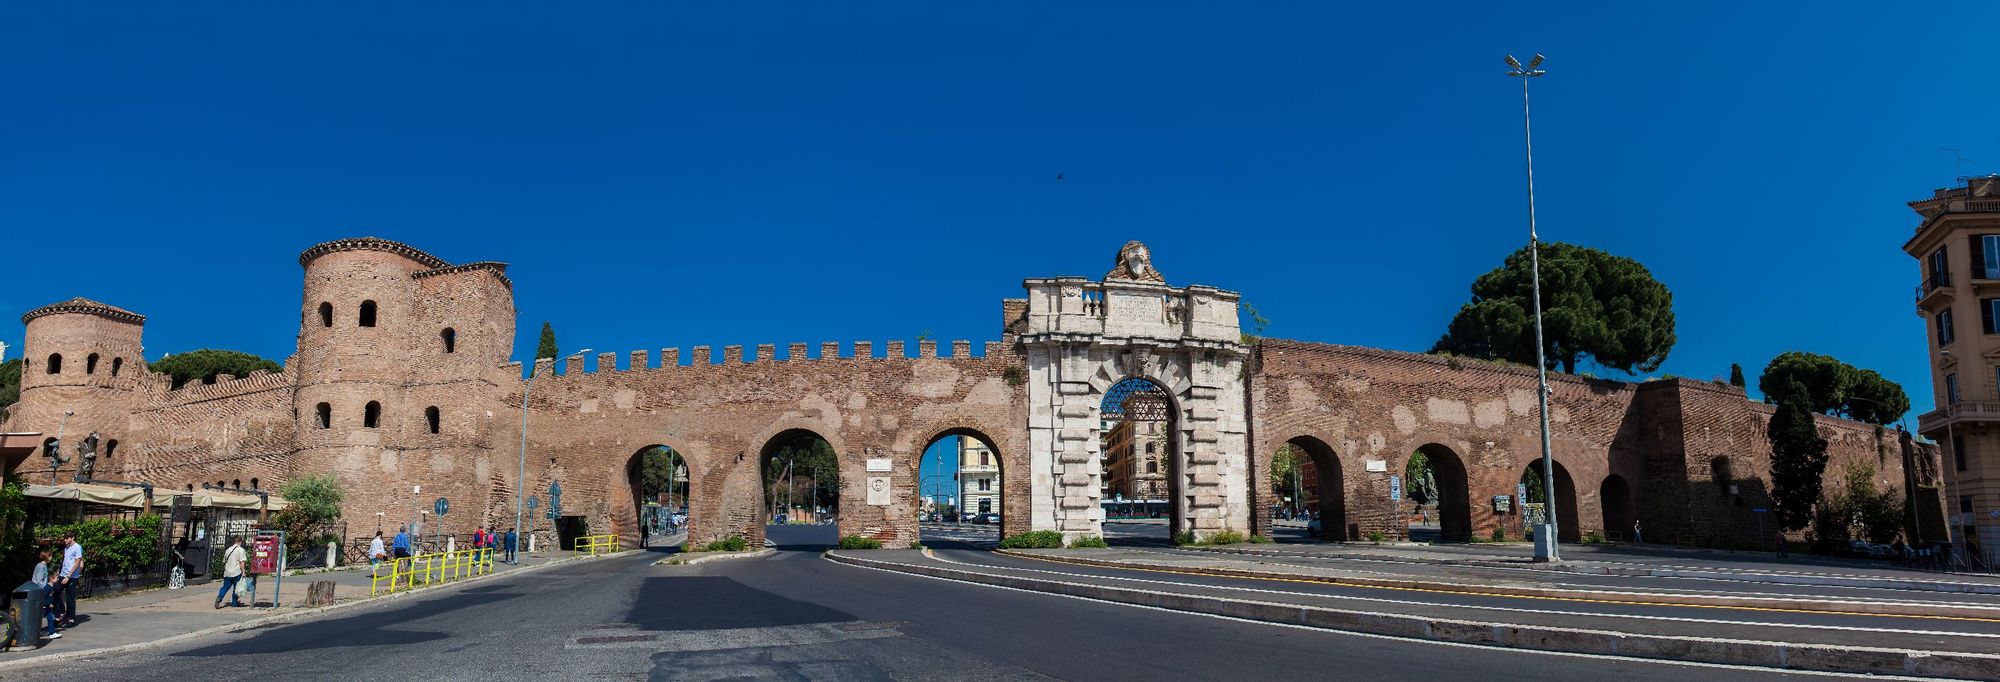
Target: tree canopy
547, 347
1594, 304
1835, 387
657, 473
10, 382
1736, 375
814, 470
1798, 457
203, 365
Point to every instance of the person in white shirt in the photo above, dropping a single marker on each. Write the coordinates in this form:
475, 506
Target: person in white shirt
376, 551
65, 582
232, 572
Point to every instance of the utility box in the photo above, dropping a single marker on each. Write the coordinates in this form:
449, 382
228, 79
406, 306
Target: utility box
26, 609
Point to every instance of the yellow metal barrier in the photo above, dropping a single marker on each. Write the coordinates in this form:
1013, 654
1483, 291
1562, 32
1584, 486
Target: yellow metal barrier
597, 544
424, 569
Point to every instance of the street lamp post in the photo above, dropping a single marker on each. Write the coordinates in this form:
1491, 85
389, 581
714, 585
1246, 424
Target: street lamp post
521, 479
1545, 533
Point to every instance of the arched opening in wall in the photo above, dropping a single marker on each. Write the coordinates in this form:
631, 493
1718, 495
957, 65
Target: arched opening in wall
117, 364
1568, 526
801, 477
1449, 517
1140, 493
325, 314
324, 414
254, 486
90, 364
431, 418
1312, 491
371, 414
236, 483
1615, 496
959, 498
658, 476
110, 448
367, 313
50, 448
55, 363
450, 339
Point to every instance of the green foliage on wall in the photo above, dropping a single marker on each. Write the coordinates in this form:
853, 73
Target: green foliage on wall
1594, 304
203, 365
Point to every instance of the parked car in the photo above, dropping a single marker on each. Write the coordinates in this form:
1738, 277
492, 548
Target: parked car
993, 519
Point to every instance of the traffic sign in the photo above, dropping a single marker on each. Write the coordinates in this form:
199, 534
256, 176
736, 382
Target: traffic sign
534, 502
1395, 488
441, 506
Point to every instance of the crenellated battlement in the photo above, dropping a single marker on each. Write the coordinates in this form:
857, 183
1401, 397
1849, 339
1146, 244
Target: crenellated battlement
159, 391
762, 354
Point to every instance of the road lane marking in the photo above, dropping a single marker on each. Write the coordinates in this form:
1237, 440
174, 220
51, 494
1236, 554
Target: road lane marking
1369, 635
1507, 609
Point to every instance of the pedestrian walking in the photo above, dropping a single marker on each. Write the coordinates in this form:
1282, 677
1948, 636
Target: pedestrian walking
1784, 548
376, 552
1635, 532
511, 541
41, 581
232, 573
401, 546
72, 570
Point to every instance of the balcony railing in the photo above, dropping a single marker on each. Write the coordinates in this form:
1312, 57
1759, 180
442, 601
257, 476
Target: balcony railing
1931, 285
1958, 413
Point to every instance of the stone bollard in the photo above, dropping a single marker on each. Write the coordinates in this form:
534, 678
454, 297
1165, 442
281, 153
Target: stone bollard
531, 543
319, 593
332, 553
450, 544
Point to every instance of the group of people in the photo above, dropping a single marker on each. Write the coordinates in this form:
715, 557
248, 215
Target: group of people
59, 591
399, 548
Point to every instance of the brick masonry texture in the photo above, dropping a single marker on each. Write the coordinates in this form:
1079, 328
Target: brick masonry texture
724, 410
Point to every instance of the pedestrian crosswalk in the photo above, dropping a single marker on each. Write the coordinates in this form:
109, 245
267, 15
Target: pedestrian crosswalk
967, 533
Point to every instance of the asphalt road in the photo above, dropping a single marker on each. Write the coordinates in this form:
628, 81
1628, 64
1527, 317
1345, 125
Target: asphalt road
795, 616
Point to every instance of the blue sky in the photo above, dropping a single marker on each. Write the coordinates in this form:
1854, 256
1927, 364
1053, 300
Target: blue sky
673, 175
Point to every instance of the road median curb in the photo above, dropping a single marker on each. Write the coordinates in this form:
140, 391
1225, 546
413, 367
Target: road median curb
694, 558
278, 618
1863, 660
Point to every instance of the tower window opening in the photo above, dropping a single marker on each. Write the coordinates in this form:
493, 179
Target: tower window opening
367, 313
325, 314
55, 363
117, 364
325, 415
253, 484
110, 448
450, 340
371, 416
236, 483
90, 364
431, 417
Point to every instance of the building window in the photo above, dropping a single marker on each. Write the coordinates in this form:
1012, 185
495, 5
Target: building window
431, 417
1152, 466
236, 483
117, 364
450, 340
371, 415
1940, 271
1951, 389
110, 448
1150, 446
1944, 327
253, 484
985, 458
1965, 504
367, 313
55, 363
90, 364
985, 484
985, 506
1958, 452
325, 314
1988, 266
325, 415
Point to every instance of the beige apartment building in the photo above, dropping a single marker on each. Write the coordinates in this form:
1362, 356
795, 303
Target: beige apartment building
1957, 245
978, 478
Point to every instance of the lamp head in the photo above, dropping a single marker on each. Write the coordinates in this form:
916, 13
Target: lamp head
1537, 61
1511, 61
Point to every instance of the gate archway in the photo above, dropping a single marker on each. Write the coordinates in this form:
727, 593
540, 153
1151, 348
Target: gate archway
1454, 501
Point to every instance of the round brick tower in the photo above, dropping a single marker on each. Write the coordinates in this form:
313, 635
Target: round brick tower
84, 358
396, 369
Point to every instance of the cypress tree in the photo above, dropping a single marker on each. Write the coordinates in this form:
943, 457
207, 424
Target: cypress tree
1736, 375
1798, 458
547, 349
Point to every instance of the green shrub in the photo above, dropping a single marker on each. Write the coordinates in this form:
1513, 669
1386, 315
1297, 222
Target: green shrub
1184, 538
1090, 541
733, 543
1036, 539
1227, 537
1499, 535
859, 542
119, 546
917, 545
1261, 540
1375, 536
1594, 537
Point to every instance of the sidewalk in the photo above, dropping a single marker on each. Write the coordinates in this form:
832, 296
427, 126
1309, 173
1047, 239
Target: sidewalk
156, 614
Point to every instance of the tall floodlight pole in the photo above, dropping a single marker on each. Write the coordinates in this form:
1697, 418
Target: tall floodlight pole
1545, 534
521, 480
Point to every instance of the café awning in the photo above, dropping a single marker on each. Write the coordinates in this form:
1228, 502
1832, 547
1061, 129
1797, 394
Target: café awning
90, 493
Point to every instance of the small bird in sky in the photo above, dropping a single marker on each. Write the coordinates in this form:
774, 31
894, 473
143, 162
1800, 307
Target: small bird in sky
1059, 176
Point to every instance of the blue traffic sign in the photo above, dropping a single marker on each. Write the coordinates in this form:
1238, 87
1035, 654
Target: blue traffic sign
441, 507
534, 502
